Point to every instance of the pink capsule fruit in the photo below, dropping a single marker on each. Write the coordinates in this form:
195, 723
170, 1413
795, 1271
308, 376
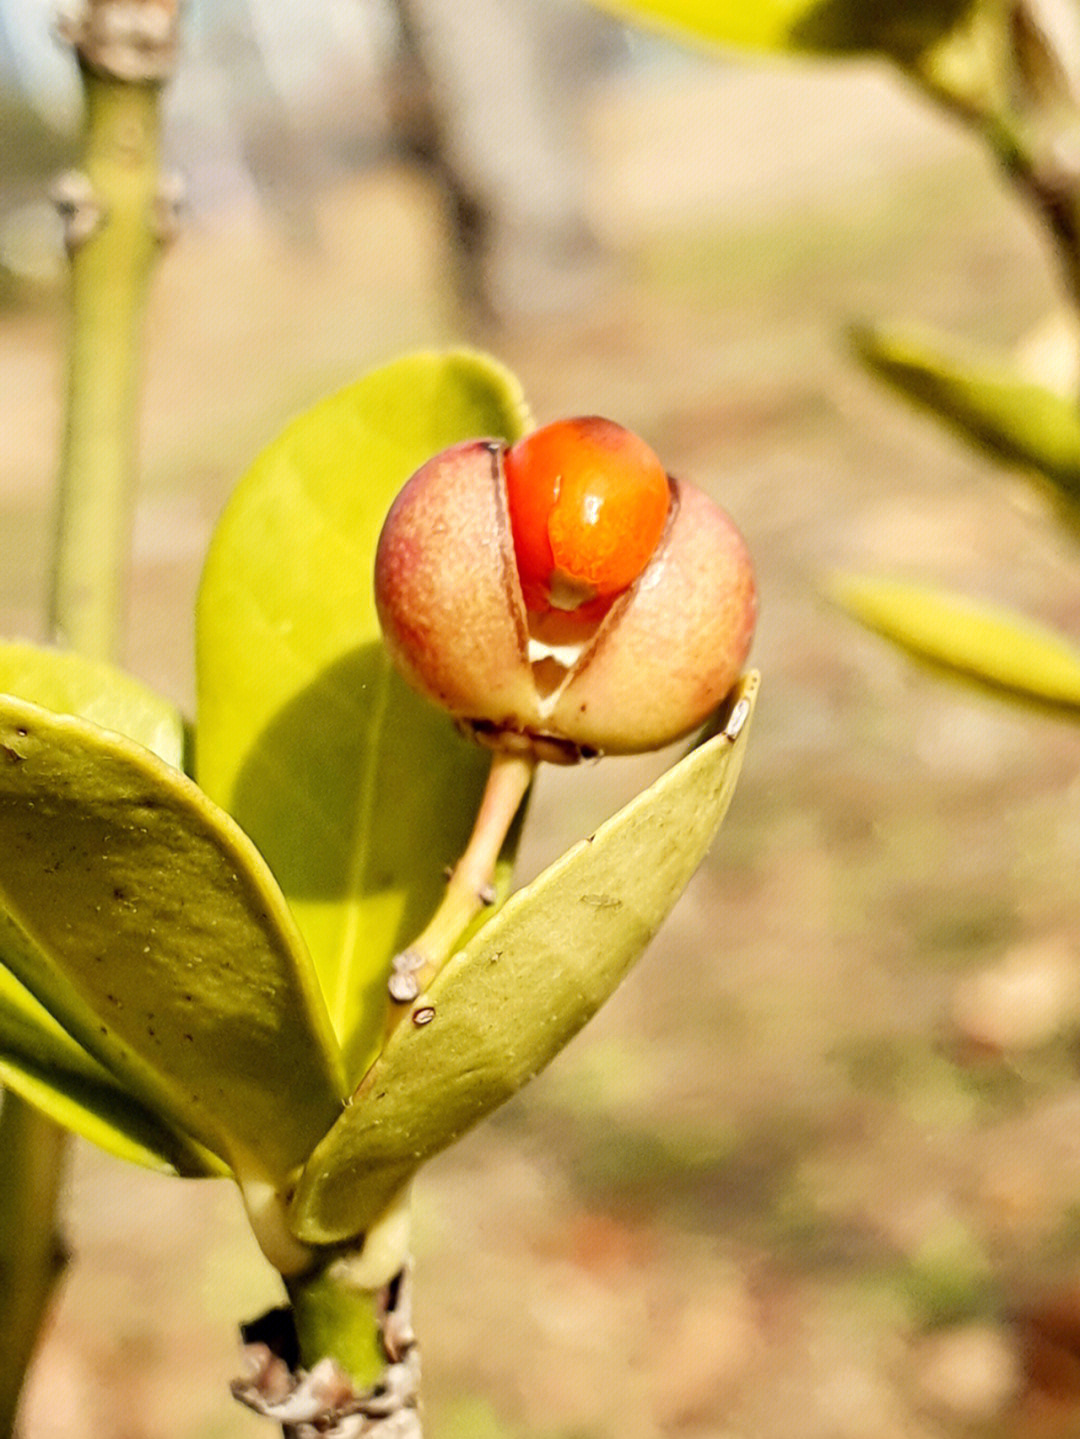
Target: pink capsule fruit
563, 595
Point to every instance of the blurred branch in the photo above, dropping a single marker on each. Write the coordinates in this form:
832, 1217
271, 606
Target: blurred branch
1014, 75
421, 123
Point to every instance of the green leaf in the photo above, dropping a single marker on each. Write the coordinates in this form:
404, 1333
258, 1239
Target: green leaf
41, 1062
69, 684
358, 793
506, 1003
987, 644
901, 28
764, 26
983, 399
146, 923
38, 1059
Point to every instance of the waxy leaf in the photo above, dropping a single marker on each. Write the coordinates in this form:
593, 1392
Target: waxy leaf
42, 1063
147, 924
984, 643
67, 683
983, 399
38, 1059
900, 28
506, 1003
358, 793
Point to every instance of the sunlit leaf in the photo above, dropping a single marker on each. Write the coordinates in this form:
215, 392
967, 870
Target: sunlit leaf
38, 1059
984, 643
505, 1004
901, 28
69, 684
986, 400
358, 793
43, 1064
139, 915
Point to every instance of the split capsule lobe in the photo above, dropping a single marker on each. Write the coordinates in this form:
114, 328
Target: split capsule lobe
564, 594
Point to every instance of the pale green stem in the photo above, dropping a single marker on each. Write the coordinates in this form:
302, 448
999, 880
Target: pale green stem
337, 1303
32, 1255
109, 275
1044, 173
110, 268
471, 884
335, 1319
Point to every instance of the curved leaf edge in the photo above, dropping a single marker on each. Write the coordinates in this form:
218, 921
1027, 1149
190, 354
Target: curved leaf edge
241, 854
439, 395
485, 367
109, 1118
100, 693
726, 748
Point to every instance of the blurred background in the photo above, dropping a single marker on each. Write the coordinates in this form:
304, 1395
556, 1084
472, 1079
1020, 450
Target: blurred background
816, 1169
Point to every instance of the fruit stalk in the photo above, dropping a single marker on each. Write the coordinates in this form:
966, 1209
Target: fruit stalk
470, 887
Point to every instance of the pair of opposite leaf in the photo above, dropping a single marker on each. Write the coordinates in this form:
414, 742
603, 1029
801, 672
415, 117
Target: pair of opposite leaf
183, 998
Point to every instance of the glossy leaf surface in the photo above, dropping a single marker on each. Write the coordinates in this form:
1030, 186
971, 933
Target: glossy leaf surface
507, 1002
358, 793
985, 400
984, 643
43, 1064
38, 1059
139, 915
69, 684
898, 27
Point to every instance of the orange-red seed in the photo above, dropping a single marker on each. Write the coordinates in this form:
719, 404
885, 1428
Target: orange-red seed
588, 503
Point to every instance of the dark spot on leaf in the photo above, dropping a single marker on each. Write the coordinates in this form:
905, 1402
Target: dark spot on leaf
190, 1038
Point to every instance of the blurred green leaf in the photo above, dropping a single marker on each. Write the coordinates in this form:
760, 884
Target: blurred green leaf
43, 1064
764, 26
69, 684
507, 1002
985, 400
146, 923
901, 28
358, 793
984, 643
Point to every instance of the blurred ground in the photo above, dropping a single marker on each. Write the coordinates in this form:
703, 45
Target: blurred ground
768, 1192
